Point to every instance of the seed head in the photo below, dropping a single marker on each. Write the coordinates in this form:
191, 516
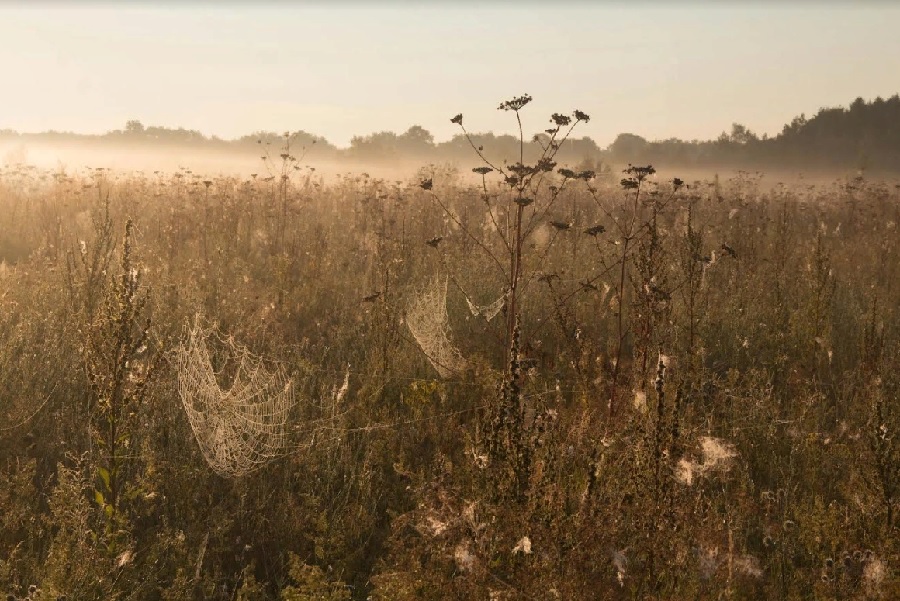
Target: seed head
640, 173
560, 120
516, 104
546, 164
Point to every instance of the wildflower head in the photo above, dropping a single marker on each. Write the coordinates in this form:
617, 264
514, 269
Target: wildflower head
640, 173
515, 104
546, 164
560, 120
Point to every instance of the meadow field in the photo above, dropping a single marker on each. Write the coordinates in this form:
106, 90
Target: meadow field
519, 380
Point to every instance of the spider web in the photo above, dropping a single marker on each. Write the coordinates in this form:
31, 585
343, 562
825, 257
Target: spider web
243, 427
429, 324
490, 311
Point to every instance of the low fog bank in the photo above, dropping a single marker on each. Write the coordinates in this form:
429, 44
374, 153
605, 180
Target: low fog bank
75, 156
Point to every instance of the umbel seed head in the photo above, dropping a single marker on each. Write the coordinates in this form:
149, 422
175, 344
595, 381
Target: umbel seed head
515, 104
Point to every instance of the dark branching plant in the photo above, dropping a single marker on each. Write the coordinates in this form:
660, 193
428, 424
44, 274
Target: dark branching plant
527, 194
522, 200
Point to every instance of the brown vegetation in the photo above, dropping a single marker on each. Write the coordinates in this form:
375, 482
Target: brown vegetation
690, 391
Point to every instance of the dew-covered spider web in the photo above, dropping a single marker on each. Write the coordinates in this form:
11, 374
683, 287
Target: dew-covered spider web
490, 311
240, 427
427, 320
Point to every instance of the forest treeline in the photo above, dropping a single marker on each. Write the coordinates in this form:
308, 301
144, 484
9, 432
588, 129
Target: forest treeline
865, 135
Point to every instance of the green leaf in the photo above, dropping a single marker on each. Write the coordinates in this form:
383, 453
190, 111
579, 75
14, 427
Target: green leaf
104, 475
98, 496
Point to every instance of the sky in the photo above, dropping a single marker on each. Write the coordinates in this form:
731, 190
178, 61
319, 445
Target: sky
686, 70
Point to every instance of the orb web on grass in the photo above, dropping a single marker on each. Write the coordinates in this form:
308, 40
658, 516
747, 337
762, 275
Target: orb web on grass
429, 324
239, 428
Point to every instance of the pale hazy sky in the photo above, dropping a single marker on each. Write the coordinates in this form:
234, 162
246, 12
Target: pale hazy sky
658, 70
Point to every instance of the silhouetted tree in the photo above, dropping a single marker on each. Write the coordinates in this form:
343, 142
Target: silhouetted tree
379, 146
416, 140
134, 127
628, 147
741, 135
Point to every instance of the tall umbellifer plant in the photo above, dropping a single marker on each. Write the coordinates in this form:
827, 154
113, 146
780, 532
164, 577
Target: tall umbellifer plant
525, 196
530, 194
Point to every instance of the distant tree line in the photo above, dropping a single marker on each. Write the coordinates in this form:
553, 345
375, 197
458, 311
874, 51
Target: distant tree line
866, 135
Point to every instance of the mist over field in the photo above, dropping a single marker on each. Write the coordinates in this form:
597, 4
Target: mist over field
508, 302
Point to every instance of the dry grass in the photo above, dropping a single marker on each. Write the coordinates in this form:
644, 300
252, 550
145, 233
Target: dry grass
755, 329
